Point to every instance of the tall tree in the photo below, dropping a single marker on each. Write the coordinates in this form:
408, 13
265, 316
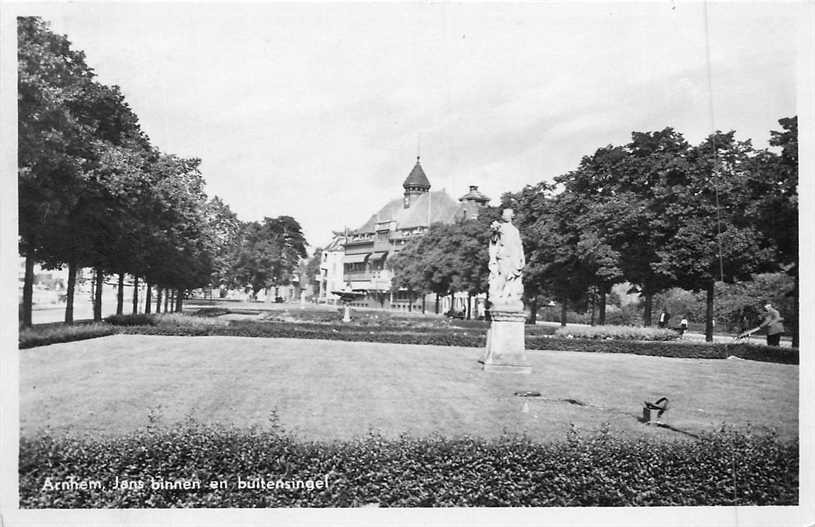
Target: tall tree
51, 141
269, 253
774, 193
712, 236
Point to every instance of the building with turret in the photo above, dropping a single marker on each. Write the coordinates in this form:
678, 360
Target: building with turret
367, 248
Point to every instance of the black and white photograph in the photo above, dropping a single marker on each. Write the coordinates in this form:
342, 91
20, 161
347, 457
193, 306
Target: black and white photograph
424, 263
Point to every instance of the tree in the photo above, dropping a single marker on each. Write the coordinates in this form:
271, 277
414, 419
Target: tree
448, 258
654, 163
774, 191
598, 212
268, 253
553, 266
50, 139
224, 230
712, 237
407, 267
310, 271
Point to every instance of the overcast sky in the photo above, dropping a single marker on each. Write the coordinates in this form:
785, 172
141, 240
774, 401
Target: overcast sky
317, 110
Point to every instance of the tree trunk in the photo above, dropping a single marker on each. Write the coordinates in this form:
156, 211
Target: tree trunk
178, 301
469, 305
148, 298
796, 316
437, 303
709, 313
602, 314
168, 297
158, 299
97, 301
563, 313
69, 293
646, 313
533, 310
592, 299
424, 303
28, 291
135, 294
120, 294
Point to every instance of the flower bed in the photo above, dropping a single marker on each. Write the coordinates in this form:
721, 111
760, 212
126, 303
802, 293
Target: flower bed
616, 333
722, 468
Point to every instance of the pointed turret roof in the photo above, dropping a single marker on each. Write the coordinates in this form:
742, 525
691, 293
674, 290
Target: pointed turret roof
417, 177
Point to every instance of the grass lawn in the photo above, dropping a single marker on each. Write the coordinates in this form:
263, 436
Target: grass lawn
339, 390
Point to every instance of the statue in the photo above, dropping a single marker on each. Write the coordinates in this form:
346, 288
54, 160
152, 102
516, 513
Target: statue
506, 265
505, 350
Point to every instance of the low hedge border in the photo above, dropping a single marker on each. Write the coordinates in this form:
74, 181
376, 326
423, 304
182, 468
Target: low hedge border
473, 338
681, 350
722, 468
30, 338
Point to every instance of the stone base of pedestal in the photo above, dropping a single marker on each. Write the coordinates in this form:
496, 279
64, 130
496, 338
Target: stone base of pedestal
506, 351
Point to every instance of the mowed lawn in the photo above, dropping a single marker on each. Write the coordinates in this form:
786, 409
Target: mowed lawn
327, 390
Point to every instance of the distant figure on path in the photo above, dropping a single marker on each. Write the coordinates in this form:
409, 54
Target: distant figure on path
664, 317
506, 263
683, 326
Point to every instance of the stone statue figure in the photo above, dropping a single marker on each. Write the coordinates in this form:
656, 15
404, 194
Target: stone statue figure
506, 264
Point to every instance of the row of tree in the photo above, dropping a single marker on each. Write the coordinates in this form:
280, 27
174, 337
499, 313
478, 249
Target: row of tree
657, 212
94, 193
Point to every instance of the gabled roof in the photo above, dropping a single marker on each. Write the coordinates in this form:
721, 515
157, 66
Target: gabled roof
429, 207
417, 177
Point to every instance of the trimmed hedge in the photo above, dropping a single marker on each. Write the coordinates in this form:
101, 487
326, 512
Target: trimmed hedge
681, 350
722, 468
33, 337
477, 339
177, 324
134, 319
302, 331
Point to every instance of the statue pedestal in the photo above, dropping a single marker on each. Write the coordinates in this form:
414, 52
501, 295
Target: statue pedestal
506, 351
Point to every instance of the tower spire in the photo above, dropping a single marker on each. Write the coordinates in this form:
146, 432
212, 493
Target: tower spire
415, 184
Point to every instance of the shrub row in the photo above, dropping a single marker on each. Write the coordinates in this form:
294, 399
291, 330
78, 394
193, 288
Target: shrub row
43, 336
682, 350
134, 319
617, 332
478, 339
296, 330
185, 325
722, 468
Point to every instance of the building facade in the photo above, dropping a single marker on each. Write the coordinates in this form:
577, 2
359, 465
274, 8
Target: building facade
331, 269
367, 248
